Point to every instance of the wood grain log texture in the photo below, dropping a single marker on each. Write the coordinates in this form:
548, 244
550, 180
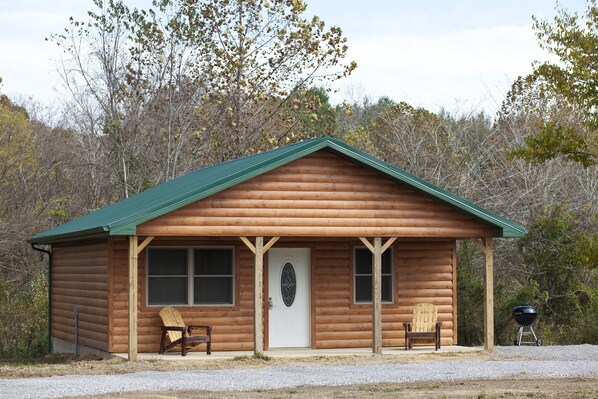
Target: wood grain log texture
423, 273
80, 278
320, 195
339, 323
232, 325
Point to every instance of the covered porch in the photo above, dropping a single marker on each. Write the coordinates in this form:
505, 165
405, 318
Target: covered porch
260, 246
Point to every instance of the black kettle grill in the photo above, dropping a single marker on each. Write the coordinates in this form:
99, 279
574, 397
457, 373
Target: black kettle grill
525, 316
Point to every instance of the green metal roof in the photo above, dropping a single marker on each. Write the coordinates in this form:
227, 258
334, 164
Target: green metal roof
123, 217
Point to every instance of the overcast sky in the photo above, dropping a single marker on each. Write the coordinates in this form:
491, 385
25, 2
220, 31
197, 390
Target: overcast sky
461, 55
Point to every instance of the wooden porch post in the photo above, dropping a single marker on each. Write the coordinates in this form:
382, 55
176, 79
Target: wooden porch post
377, 250
258, 325
485, 245
132, 349
377, 297
488, 295
258, 288
134, 251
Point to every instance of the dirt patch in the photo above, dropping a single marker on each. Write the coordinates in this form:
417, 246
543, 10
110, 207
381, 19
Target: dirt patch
67, 364
567, 388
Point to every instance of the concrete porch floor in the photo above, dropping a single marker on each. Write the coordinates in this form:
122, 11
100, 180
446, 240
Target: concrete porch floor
290, 353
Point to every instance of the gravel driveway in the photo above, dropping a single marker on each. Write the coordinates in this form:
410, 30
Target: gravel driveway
527, 362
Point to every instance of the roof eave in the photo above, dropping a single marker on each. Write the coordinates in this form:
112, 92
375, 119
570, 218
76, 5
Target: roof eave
98, 232
512, 233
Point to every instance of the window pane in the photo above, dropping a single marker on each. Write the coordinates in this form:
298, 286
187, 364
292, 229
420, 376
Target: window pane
167, 291
214, 261
386, 289
363, 275
213, 290
167, 262
387, 262
363, 288
363, 261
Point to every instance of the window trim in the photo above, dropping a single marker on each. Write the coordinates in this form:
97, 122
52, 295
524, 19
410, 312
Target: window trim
191, 276
354, 276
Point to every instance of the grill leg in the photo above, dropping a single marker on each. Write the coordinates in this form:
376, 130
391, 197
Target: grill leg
519, 335
536, 340
522, 332
533, 333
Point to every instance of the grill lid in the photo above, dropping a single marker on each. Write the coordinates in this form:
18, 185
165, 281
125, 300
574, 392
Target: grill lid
525, 315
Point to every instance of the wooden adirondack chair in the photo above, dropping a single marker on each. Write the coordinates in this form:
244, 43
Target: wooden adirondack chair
181, 334
424, 325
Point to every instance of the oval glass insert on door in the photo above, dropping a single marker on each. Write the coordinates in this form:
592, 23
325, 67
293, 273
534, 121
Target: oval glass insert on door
288, 284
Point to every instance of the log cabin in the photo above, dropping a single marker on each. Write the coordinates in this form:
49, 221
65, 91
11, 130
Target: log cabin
315, 244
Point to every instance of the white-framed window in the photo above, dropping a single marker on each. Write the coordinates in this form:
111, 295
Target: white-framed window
362, 275
196, 276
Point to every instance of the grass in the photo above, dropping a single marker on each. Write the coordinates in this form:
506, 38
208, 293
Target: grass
257, 355
390, 389
290, 391
269, 392
261, 356
429, 386
17, 363
375, 388
505, 395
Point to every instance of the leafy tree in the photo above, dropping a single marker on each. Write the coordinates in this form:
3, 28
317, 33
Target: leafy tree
24, 313
23, 308
353, 121
565, 93
19, 169
263, 56
470, 291
311, 114
182, 84
133, 76
414, 139
560, 253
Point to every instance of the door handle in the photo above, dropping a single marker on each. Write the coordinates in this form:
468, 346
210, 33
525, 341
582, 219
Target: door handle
270, 304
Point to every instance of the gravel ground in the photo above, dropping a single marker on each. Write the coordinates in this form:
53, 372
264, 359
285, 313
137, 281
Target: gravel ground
525, 362
573, 352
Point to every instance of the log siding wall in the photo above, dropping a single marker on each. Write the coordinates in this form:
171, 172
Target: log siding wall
423, 272
80, 277
318, 195
233, 325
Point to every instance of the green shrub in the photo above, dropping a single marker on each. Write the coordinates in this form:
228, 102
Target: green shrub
556, 271
24, 315
561, 260
470, 291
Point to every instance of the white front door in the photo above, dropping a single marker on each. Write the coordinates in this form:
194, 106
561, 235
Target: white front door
289, 297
